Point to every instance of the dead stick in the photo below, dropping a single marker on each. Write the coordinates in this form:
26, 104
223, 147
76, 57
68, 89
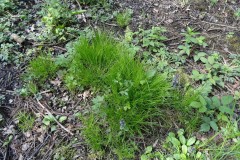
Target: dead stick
55, 119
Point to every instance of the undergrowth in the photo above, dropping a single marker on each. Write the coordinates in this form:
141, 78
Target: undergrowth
133, 97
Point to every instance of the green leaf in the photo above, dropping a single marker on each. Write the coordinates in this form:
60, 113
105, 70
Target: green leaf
182, 139
204, 60
206, 119
148, 149
184, 149
195, 104
144, 157
191, 141
211, 60
205, 127
214, 125
175, 142
151, 73
198, 155
215, 101
62, 119
46, 121
202, 109
202, 100
227, 100
225, 109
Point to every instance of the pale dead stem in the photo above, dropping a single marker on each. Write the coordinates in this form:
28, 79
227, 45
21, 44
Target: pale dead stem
42, 106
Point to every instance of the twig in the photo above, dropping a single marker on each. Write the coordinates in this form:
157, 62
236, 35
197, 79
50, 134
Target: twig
55, 119
222, 25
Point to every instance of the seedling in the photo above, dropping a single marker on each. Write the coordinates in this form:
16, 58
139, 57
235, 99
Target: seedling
25, 121
123, 18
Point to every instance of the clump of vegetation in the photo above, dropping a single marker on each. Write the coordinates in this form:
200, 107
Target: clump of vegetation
64, 151
41, 68
123, 18
25, 121
56, 17
133, 95
6, 4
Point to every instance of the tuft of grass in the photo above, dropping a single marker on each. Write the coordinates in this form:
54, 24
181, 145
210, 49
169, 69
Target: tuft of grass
123, 18
93, 59
41, 68
134, 96
26, 121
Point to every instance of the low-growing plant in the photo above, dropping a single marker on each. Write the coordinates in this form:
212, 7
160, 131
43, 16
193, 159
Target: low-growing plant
181, 147
65, 151
6, 4
214, 110
123, 18
57, 16
133, 96
41, 68
191, 40
150, 154
25, 121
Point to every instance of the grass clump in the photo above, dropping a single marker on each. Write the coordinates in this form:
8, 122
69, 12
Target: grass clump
134, 96
41, 68
26, 121
93, 59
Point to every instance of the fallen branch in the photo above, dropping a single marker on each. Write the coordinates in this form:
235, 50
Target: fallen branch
40, 104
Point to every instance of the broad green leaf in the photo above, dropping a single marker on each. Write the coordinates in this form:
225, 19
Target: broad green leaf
177, 156
225, 109
148, 149
191, 141
183, 157
215, 101
202, 100
195, 104
182, 139
184, 149
198, 155
227, 100
180, 132
202, 109
175, 142
62, 119
144, 157
195, 72
151, 73
46, 122
214, 125
211, 60
206, 119
205, 127
204, 60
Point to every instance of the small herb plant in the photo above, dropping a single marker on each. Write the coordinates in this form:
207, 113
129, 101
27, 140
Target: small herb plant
182, 148
150, 154
214, 110
25, 121
123, 18
191, 40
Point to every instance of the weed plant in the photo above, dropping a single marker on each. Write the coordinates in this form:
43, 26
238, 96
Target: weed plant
134, 97
41, 68
26, 121
123, 18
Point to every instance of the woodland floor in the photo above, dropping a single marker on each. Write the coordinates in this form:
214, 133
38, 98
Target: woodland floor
214, 22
